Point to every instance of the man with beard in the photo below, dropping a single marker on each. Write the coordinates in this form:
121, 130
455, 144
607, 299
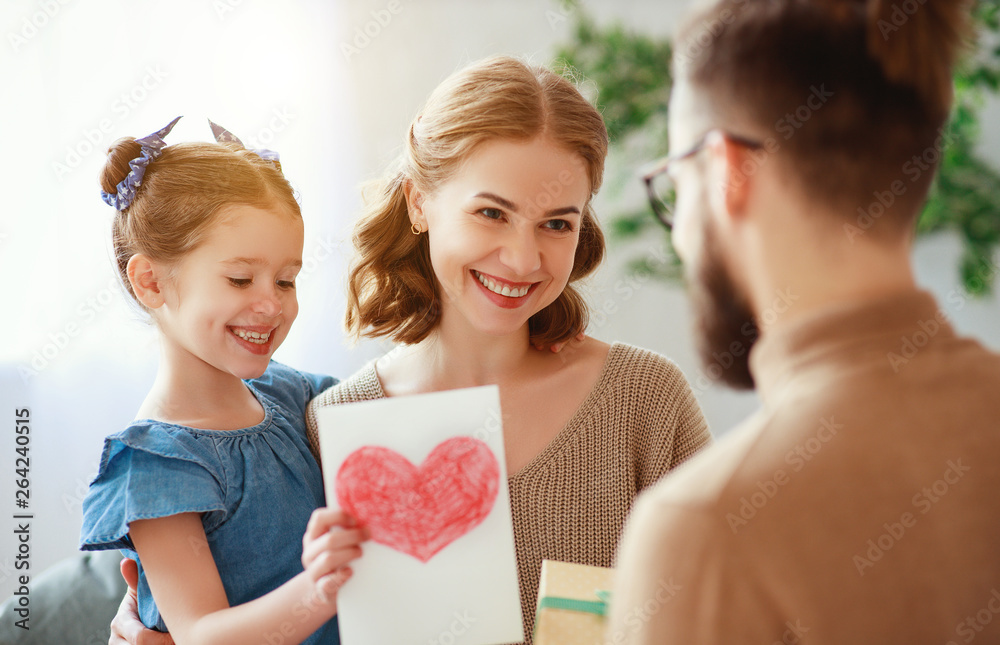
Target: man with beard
860, 504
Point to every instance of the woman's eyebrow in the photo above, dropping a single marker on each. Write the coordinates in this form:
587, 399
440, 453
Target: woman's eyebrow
506, 203
511, 206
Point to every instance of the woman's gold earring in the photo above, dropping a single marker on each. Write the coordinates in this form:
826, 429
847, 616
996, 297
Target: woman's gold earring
415, 228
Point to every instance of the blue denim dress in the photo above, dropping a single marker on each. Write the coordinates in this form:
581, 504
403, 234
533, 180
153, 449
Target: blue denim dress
254, 487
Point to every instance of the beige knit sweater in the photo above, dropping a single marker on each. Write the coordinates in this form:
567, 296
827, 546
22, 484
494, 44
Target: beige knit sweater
570, 502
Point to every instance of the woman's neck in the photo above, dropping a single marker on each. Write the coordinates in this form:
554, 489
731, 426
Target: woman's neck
454, 356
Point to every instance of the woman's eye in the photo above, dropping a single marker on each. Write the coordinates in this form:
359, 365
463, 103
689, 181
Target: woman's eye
491, 213
241, 282
558, 225
286, 284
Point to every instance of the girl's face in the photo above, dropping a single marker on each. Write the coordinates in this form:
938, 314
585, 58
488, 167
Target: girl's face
230, 302
503, 231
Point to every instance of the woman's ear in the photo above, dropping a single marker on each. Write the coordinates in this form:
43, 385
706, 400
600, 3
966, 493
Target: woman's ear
146, 278
414, 204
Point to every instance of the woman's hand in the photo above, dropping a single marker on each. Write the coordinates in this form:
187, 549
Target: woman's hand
126, 628
332, 539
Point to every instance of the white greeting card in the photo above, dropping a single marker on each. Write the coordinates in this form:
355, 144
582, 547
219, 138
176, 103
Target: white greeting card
427, 475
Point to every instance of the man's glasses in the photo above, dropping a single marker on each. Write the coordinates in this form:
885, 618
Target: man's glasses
660, 187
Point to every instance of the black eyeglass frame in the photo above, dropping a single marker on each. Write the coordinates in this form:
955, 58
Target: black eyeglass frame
661, 166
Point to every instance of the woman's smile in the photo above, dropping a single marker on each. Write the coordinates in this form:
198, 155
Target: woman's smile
505, 288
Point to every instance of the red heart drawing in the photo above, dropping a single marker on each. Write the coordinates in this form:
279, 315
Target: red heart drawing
419, 511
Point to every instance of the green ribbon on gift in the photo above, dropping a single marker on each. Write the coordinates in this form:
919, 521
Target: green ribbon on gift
596, 607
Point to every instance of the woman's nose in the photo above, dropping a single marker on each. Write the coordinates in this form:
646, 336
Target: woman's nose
520, 253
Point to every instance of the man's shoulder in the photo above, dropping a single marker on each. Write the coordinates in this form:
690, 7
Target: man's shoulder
706, 480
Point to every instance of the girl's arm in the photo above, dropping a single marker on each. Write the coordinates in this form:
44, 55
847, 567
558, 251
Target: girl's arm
126, 628
189, 594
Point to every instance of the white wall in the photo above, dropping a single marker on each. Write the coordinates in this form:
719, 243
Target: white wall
350, 114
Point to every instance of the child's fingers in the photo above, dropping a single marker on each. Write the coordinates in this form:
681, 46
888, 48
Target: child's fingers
330, 562
323, 519
332, 540
338, 548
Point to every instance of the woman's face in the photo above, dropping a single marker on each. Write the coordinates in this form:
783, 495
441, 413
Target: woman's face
503, 232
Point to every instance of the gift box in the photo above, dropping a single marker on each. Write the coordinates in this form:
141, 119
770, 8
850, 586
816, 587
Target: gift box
572, 599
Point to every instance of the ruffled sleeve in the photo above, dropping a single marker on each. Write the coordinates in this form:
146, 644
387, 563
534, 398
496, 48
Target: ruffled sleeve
148, 472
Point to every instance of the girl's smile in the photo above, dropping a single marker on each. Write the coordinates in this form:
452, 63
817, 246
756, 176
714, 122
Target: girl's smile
254, 339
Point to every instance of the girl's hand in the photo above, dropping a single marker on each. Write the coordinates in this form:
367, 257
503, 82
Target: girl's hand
332, 540
126, 628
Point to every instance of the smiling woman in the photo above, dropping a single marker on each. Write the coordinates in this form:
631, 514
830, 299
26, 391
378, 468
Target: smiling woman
468, 253
491, 245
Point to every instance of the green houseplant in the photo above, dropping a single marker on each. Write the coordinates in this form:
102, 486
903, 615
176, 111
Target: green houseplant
631, 75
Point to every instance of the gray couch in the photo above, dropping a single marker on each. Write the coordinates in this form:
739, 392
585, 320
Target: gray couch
71, 603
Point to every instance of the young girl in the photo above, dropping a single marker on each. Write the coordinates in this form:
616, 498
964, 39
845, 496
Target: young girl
211, 486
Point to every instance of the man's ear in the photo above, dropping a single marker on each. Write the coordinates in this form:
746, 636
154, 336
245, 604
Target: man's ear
732, 171
146, 278
414, 204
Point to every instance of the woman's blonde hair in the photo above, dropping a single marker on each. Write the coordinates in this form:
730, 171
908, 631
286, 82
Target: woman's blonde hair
392, 290
182, 195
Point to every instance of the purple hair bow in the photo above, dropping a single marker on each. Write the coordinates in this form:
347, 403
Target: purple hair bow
152, 147
223, 135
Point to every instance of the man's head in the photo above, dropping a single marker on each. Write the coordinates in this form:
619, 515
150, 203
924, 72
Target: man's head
807, 112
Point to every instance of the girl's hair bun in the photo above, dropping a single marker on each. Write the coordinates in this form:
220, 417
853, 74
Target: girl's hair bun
116, 166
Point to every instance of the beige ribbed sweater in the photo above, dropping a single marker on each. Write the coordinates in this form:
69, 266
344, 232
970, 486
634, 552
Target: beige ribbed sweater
570, 502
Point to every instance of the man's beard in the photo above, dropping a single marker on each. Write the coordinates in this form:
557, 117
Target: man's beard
725, 325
